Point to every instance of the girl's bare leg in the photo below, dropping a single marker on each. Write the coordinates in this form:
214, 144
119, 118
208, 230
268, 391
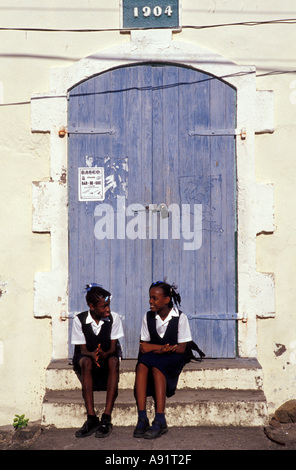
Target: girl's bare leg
87, 384
141, 386
112, 384
160, 390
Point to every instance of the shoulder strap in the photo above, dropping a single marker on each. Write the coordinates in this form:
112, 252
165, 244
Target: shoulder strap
82, 317
151, 324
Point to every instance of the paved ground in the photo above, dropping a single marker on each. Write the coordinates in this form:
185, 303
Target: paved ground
175, 442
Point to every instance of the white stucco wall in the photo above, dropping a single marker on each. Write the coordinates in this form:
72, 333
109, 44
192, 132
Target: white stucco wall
32, 163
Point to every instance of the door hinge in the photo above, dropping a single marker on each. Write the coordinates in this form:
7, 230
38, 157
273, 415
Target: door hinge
218, 316
219, 132
90, 130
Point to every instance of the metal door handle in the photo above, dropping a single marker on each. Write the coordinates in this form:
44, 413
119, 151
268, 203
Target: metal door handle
162, 208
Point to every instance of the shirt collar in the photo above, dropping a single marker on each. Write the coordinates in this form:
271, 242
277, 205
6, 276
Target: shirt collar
89, 319
174, 312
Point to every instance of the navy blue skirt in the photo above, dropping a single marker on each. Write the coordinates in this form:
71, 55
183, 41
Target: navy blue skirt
99, 374
170, 365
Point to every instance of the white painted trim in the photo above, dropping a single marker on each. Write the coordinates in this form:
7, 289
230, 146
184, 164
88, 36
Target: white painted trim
256, 297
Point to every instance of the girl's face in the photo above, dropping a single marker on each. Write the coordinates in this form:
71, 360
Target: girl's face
101, 309
158, 301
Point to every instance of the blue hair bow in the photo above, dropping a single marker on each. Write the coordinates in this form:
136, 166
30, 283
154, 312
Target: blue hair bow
172, 286
93, 284
89, 286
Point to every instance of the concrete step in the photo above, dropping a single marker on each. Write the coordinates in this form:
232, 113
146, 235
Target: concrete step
234, 374
220, 392
65, 409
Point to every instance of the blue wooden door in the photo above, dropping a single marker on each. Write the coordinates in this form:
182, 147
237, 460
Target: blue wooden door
152, 195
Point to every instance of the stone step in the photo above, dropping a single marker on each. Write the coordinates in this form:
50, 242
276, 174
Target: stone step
233, 374
203, 407
214, 392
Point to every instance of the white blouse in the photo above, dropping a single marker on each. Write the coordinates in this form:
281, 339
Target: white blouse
184, 333
77, 333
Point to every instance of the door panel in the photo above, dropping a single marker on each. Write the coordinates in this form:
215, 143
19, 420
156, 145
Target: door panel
152, 128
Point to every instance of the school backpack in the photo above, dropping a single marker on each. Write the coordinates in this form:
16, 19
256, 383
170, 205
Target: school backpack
190, 347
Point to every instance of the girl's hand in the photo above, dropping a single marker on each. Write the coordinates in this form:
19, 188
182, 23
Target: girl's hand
148, 347
169, 348
96, 355
144, 347
157, 348
101, 353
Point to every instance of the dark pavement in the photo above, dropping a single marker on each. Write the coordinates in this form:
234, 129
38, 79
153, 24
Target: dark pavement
178, 441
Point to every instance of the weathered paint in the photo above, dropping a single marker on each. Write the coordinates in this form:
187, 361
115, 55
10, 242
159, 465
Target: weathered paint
254, 201
152, 110
265, 163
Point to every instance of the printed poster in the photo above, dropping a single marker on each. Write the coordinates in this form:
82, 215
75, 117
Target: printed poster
91, 184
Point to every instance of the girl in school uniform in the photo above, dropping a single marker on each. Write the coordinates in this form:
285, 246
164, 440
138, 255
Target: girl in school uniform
164, 334
96, 334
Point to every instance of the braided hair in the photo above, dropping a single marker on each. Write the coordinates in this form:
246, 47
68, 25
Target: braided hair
169, 290
95, 292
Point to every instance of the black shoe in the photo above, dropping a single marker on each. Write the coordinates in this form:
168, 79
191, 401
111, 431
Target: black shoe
156, 430
89, 427
105, 428
141, 428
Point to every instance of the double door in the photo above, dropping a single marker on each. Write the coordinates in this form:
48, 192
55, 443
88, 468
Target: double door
152, 196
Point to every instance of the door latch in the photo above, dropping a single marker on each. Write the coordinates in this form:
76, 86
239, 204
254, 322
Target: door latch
162, 208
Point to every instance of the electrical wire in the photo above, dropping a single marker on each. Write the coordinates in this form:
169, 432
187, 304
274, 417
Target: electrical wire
103, 30
196, 27
151, 88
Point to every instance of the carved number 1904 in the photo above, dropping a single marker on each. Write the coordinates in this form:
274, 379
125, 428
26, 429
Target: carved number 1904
156, 11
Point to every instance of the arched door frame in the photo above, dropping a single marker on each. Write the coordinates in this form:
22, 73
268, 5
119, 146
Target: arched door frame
256, 298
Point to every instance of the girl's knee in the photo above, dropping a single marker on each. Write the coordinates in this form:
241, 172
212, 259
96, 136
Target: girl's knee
113, 364
158, 375
141, 368
85, 364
